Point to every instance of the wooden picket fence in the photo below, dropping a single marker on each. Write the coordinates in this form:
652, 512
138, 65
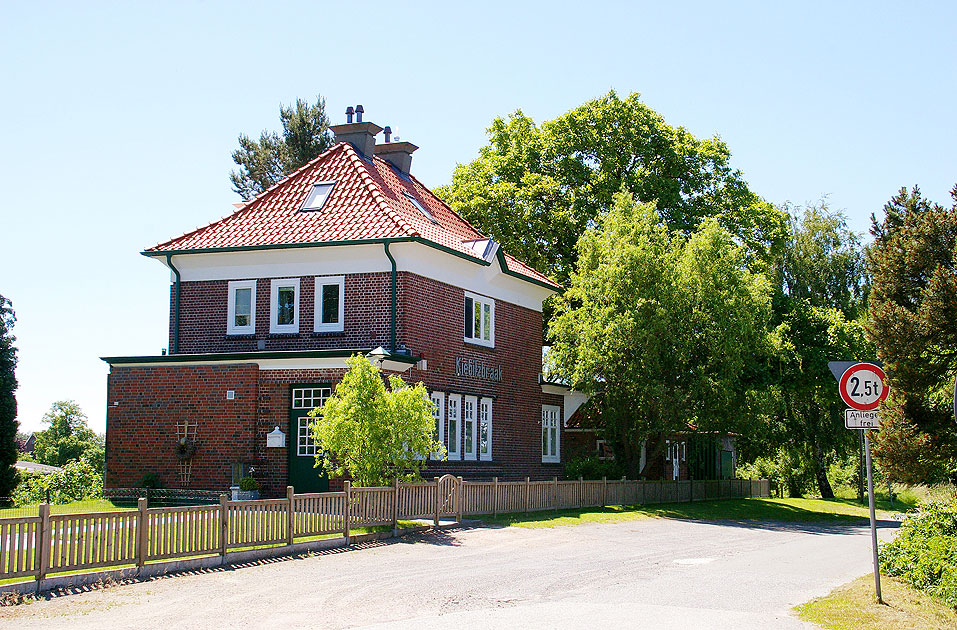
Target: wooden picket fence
43, 545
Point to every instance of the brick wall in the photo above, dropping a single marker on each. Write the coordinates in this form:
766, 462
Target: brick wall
144, 405
204, 304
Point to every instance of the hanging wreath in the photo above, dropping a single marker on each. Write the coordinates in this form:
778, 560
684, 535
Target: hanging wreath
185, 448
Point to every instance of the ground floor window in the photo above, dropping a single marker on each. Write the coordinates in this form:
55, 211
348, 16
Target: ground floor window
468, 426
485, 429
551, 436
455, 404
438, 414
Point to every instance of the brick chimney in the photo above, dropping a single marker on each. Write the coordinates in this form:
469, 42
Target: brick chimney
361, 135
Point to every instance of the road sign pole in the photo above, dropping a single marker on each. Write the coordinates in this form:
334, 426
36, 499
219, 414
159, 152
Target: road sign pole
870, 500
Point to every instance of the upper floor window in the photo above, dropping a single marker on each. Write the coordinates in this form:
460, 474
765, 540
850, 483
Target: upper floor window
330, 291
241, 311
480, 319
284, 306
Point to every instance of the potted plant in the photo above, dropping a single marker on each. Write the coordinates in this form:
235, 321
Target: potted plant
248, 489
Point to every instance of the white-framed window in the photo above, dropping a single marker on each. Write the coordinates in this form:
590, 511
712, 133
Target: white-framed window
551, 437
479, 319
438, 414
485, 429
284, 306
241, 311
469, 429
330, 303
603, 450
307, 398
454, 439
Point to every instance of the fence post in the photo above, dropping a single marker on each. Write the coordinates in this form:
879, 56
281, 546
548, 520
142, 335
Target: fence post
43, 543
494, 496
142, 531
690, 489
749, 487
395, 505
581, 492
604, 491
458, 501
223, 526
555, 493
438, 502
347, 516
290, 516
527, 488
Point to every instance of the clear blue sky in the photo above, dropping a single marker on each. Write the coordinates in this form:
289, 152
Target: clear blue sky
118, 120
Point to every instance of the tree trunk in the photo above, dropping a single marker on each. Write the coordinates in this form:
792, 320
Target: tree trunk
820, 471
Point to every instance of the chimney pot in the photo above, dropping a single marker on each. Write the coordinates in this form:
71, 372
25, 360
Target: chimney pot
359, 112
388, 133
349, 112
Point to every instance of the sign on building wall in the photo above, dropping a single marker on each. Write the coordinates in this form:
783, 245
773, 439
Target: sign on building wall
477, 369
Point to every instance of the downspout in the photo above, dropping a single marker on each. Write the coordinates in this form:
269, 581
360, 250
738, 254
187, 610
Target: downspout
169, 263
392, 326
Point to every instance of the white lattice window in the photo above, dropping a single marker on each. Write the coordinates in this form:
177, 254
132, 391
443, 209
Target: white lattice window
551, 437
305, 446
438, 415
241, 310
310, 397
469, 432
455, 423
485, 429
284, 306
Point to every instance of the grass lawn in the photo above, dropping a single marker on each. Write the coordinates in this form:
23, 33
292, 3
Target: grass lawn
853, 607
785, 510
90, 505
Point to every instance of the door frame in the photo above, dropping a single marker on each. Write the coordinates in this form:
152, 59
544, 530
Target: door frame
294, 464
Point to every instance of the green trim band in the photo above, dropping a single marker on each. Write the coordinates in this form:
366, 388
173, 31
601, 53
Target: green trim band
249, 357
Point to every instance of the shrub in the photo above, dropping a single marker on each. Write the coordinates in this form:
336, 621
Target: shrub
77, 481
924, 554
248, 483
150, 480
591, 467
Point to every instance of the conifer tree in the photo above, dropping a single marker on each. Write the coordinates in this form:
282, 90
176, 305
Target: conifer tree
8, 402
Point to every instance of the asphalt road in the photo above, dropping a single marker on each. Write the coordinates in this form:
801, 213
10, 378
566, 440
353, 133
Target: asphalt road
653, 573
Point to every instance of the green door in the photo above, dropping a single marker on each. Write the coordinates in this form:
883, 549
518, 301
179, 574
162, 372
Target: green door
303, 474
727, 462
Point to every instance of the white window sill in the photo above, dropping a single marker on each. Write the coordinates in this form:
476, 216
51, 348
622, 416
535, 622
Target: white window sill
329, 328
551, 460
480, 342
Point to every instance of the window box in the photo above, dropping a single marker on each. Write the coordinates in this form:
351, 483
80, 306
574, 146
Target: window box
284, 306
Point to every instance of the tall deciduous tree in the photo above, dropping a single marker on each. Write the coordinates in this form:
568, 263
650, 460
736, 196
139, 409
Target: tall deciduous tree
823, 288
263, 162
371, 433
67, 438
913, 322
535, 189
8, 401
659, 328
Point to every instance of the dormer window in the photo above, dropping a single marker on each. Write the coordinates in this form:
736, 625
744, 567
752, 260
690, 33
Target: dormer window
418, 206
317, 197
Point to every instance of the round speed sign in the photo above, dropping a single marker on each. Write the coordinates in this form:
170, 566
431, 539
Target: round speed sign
862, 386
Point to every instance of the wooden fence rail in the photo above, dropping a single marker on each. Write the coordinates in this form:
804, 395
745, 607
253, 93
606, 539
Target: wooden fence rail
38, 546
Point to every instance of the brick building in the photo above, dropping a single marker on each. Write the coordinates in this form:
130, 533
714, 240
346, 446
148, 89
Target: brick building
348, 254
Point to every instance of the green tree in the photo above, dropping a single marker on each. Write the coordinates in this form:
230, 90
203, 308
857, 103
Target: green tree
823, 287
913, 322
263, 162
68, 437
659, 328
8, 401
371, 433
536, 189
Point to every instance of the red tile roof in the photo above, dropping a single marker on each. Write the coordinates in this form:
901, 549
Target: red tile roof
368, 202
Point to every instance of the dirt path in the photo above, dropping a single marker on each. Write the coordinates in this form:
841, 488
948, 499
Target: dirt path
653, 573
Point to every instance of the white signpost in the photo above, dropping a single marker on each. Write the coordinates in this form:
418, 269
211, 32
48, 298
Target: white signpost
863, 386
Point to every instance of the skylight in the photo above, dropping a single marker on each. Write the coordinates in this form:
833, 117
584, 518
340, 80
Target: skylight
317, 196
421, 208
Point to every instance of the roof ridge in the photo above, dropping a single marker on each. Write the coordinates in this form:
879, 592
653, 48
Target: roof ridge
248, 205
373, 189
